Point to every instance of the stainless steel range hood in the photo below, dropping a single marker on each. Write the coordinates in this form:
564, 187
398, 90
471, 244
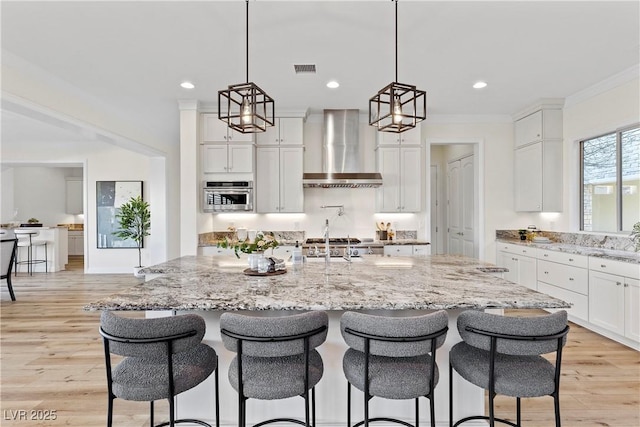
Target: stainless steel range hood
341, 155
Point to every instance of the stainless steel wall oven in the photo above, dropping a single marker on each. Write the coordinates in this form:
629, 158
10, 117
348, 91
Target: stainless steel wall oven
227, 196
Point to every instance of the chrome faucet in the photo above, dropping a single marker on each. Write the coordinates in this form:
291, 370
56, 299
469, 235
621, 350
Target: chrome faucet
327, 251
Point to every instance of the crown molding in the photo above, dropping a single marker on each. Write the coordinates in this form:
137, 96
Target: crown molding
605, 85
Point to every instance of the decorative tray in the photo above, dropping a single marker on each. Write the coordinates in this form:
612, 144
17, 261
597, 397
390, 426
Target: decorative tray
250, 272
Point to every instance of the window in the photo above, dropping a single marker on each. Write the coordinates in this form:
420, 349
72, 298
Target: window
610, 180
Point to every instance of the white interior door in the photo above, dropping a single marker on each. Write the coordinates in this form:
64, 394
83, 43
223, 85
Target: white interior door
454, 209
435, 248
467, 195
461, 207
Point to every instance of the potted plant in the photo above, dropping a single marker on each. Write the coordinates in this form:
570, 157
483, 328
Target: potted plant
134, 220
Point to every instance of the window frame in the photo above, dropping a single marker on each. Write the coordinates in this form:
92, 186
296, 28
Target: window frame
618, 133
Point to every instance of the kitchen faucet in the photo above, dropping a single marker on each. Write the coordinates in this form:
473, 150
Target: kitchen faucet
327, 252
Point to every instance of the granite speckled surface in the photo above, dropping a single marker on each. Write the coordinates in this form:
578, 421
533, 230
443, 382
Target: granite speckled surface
616, 255
618, 242
371, 282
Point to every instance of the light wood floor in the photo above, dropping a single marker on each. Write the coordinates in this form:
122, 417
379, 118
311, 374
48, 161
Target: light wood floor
51, 359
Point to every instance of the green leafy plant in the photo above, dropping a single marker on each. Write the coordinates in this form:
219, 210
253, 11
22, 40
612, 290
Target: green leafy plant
635, 236
134, 220
261, 243
33, 221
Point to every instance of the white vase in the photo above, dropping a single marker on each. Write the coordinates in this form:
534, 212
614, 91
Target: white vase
137, 273
253, 261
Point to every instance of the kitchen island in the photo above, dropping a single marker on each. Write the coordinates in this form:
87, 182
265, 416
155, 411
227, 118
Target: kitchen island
393, 286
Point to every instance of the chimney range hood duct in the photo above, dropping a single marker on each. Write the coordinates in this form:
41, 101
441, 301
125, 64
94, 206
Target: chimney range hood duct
341, 155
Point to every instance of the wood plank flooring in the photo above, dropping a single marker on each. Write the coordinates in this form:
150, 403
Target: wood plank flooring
51, 359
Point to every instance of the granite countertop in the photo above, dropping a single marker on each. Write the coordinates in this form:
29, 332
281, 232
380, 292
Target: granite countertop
402, 242
370, 282
617, 255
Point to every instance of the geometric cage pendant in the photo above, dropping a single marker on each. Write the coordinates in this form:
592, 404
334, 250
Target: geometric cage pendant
397, 107
246, 108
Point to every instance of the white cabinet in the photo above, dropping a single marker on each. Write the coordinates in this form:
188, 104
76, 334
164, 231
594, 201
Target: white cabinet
538, 177
407, 250
540, 125
74, 199
227, 158
286, 131
614, 296
538, 161
521, 263
409, 137
279, 179
215, 130
632, 308
606, 301
76, 242
401, 170
565, 276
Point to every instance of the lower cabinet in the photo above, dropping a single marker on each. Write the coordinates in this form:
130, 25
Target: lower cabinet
76, 243
568, 283
632, 309
522, 268
407, 250
614, 302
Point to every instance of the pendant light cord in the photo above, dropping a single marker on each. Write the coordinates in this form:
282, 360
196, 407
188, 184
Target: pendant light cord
396, 1
247, 40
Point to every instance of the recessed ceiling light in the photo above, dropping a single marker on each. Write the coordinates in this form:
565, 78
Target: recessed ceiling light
479, 85
333, 84
187, 85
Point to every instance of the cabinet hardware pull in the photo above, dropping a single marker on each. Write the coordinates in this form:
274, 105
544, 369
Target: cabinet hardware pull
626, 285
546, 272
571, 278
546, 255
571, 259
603, 266
618, 283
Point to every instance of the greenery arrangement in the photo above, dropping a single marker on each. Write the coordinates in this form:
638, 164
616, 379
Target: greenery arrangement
134, 220
262, 242
635, 236
33, 221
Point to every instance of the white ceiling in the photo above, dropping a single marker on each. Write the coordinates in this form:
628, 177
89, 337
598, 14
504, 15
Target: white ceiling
129, 57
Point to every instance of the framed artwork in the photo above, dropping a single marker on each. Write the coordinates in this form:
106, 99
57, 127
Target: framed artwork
110, 195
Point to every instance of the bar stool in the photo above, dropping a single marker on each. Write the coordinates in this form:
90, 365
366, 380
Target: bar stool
26, 240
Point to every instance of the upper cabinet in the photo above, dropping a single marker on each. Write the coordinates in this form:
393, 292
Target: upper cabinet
215, 130
74, 196
279, 180
286, 131
227, 158
401, 172
409, 137
538, 160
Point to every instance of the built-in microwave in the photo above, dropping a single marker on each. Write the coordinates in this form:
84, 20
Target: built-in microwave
227, 196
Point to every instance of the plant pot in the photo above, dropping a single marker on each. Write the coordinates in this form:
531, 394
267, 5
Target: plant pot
137, 273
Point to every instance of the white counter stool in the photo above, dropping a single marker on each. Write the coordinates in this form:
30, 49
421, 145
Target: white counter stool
26, 240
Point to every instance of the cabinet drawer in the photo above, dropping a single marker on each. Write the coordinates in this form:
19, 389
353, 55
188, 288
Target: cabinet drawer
620, 268
581, 261
580, 303
517, 249
564, 276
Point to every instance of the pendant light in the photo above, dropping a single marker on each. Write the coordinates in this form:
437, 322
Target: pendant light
245, 107
397, 107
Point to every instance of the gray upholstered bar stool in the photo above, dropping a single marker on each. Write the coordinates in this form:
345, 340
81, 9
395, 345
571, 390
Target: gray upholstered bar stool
502, 355
163, 357
392, 358
276, 359
27, 239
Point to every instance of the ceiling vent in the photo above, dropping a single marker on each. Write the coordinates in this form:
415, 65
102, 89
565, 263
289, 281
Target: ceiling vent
304, 68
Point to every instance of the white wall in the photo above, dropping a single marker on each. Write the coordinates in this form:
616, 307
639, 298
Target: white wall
38, 192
